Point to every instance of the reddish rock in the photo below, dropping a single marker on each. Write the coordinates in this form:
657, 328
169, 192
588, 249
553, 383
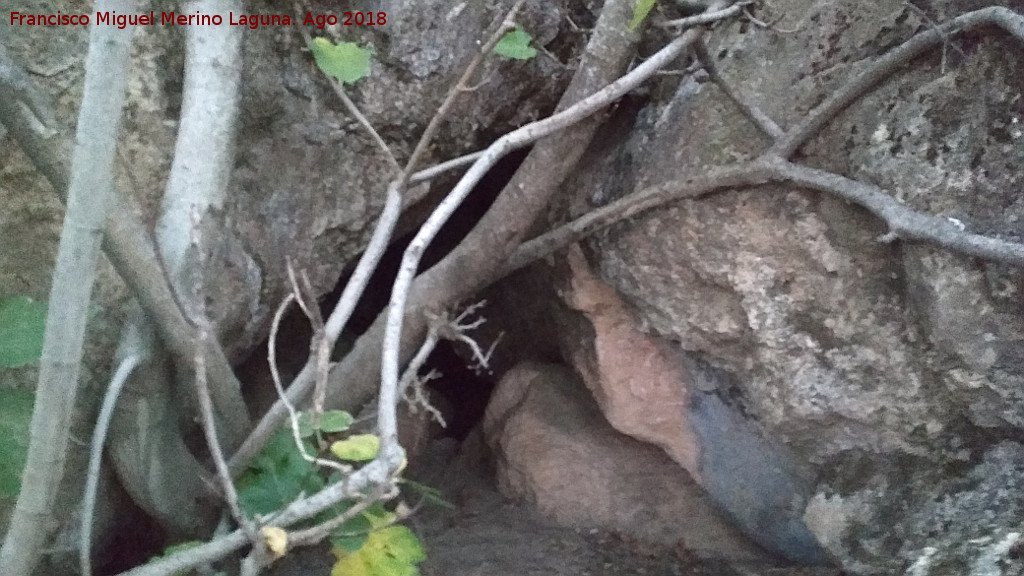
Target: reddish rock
555, 449
637, 382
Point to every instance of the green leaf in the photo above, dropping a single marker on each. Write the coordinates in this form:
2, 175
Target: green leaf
22, 325
15, 424
640, 12
392, 551
358, 448
351, 535
379, 516
516, 45
277, 476
335, 421
346, 61
330, 421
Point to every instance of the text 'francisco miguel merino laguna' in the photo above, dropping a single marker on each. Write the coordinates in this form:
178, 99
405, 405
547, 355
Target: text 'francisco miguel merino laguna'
112, 18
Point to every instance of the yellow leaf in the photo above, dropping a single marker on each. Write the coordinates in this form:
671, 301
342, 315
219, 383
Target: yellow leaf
277, 540
392, 551
358, 448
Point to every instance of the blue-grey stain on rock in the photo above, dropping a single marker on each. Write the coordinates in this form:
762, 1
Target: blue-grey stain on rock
752, 481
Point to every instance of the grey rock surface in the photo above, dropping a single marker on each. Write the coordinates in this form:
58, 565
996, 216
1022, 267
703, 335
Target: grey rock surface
893, 369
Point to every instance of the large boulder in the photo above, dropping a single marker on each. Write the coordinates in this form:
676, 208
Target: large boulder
893, 372
555, 450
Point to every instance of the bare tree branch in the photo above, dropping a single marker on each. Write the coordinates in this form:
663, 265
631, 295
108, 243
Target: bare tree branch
126, 242
197, 183
706, 17
507, 24
210, 432
367, 263
88, 199
880, 69
133, 352
904, 222
762, 121
392, 345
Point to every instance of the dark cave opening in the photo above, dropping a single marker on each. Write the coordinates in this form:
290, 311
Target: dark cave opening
378, 291
137, 539
463, 390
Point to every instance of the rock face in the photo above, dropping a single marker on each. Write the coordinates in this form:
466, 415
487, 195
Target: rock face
557, 451
892, 373
651, 391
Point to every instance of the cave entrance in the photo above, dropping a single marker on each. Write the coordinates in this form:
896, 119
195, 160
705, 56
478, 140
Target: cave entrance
463, 393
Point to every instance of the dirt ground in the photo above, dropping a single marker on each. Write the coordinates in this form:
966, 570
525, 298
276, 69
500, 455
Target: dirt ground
485, 535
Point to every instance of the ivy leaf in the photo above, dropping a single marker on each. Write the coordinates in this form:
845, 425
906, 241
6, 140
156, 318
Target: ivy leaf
351, 535
516, 45
335, 421
15, 421
358, 448
640, 12
346, 61
22, 325
331, 421
392, 551
277, 476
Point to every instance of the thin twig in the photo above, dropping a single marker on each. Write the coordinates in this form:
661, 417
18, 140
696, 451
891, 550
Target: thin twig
351, 106
358, 115
434, 171
420, 358
315, 534
319, 347
99, 438
904, 222
412, 379
945, 38
760, 119
880, 69
703, 18
419, 398
507, 24
293, 414
210, 431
